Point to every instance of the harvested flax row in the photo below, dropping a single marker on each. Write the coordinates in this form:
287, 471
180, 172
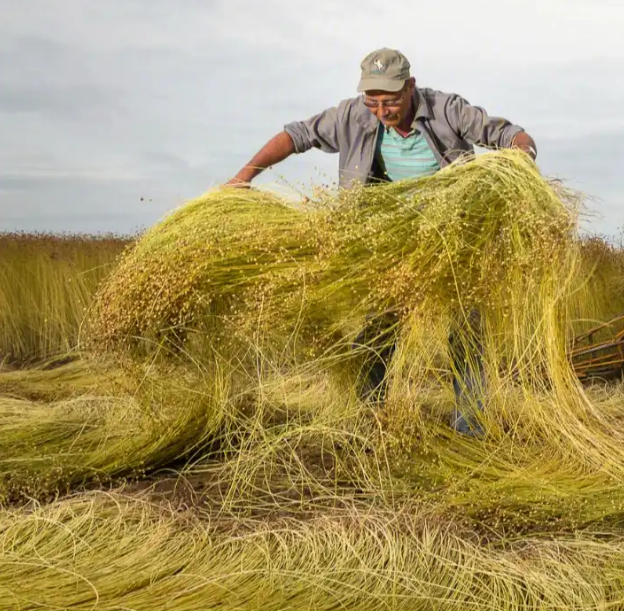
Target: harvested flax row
110, 552
241, 256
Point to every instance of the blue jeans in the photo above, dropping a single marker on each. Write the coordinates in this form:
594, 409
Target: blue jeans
379, 336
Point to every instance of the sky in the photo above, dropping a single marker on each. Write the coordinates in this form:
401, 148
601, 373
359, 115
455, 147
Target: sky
114, 112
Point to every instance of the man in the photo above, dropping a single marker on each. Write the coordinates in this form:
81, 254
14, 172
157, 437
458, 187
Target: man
396, 130
393, 130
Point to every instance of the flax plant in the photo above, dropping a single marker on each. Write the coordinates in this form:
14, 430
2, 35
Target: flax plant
125, 426
110, 552
198, 267
47, 283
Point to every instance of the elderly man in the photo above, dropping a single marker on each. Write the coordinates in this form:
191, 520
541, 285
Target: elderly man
396, 130
393, 130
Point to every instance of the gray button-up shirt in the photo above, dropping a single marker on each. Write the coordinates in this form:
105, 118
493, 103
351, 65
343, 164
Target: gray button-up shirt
449, 123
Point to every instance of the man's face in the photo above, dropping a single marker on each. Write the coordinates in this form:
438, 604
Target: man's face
390, 108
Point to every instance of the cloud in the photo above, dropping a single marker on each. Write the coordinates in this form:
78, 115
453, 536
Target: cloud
105, 101
593, 166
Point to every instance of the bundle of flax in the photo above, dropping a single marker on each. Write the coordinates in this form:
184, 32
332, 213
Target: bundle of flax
489, 235
484, 232
455, 235
127, 430
199, 265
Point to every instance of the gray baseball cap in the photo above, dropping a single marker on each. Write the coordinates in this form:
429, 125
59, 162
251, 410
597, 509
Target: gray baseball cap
385, 70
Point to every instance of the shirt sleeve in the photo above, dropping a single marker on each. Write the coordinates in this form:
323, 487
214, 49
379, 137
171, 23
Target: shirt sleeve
473, 124
319, 131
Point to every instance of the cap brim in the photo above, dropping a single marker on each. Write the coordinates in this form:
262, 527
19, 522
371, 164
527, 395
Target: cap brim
380, 84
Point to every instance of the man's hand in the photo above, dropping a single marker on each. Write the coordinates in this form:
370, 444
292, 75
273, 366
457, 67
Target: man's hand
238, 183
525, 143
275, 150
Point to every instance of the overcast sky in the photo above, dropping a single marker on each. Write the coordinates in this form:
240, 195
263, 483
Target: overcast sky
103, 102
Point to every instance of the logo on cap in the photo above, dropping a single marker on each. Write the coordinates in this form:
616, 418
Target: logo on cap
380, 67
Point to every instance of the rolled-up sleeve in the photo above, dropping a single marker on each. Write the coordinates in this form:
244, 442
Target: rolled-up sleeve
319, 131
473, 124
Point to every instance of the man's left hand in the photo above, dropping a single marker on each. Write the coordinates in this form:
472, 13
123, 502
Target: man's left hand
525, 143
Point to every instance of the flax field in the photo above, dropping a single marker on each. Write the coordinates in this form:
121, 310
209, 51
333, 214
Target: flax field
188, 419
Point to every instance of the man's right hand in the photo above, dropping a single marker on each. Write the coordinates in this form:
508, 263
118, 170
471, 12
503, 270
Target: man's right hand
275, 150
238, 183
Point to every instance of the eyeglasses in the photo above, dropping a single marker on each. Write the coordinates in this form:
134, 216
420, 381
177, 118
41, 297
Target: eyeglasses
374, 104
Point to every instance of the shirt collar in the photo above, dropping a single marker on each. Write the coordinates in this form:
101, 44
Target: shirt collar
422, 106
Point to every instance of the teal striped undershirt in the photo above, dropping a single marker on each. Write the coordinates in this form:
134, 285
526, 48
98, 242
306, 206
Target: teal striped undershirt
401, 158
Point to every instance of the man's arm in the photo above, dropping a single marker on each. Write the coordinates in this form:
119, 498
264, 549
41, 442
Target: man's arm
320, 131
473, 124
275, 150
